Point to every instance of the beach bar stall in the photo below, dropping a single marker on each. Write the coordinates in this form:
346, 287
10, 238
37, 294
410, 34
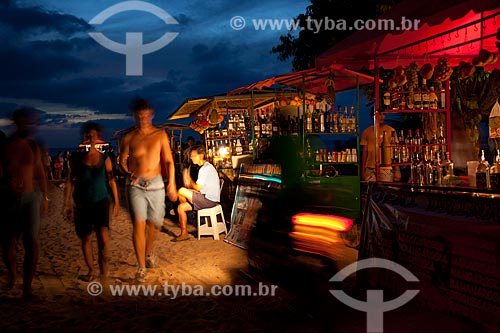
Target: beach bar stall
445, 231
300, 106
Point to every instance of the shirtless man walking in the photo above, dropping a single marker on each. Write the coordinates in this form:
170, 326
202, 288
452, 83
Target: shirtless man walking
25, 178
142, 153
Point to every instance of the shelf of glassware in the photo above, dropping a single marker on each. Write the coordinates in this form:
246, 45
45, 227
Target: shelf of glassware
347, 156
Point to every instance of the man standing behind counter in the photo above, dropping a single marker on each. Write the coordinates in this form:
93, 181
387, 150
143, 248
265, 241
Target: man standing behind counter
142, 153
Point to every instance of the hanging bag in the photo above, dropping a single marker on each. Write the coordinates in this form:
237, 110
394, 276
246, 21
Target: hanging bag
494, 123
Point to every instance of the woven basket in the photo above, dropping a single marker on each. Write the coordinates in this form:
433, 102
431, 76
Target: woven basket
386, 174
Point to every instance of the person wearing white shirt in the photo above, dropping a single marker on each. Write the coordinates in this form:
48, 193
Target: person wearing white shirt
204, 193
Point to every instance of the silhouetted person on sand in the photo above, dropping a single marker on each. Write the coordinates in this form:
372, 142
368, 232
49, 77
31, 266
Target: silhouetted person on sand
24, 197
87, 185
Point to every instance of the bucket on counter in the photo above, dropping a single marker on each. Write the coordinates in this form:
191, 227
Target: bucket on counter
386, 174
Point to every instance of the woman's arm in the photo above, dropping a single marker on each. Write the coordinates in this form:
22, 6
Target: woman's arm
112, 185
68, 193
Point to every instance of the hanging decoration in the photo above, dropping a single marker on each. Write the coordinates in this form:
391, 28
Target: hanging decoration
442, 71
213, 115
426, 71
199, 125
330, 90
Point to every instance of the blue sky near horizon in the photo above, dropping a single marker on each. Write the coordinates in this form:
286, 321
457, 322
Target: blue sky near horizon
49, 61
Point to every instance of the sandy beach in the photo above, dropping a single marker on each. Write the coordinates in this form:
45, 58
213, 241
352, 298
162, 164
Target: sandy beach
64, 301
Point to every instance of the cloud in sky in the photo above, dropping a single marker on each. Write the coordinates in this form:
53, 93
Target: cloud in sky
49, 60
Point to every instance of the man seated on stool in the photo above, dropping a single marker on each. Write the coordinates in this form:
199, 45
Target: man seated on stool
204, 193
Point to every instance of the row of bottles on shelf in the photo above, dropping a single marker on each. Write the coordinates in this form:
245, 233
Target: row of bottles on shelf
224, 148
238, 124
486, 176
431, 169
400, 150
266, 124
233, 125
347, 155
414, 97
330, 120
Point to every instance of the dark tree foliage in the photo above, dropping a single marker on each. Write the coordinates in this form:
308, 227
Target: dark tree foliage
305, 47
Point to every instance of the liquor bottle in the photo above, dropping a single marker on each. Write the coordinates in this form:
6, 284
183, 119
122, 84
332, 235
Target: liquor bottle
417, 141
340, 120
417, 98
352, 120
309, 121
441, 92
386, 99
495, 172
483, 173
321, 121
345, 120
328, 119
433, 99
425, 144
415, 174
403, 150
441, 140
450, 164
409, 144
335, 121
315, 120
239, 148
394, 148
425, 95
403, 93
395, 98
386, 150
446, 166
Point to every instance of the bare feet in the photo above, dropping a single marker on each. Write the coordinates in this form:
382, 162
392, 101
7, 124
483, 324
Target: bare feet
181, 238
89, 277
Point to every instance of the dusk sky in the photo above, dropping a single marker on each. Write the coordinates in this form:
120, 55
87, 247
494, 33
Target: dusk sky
49, 62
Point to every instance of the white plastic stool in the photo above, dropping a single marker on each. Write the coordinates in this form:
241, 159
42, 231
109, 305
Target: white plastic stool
211, 226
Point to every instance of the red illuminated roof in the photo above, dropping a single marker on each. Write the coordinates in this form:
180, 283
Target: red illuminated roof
456, 28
